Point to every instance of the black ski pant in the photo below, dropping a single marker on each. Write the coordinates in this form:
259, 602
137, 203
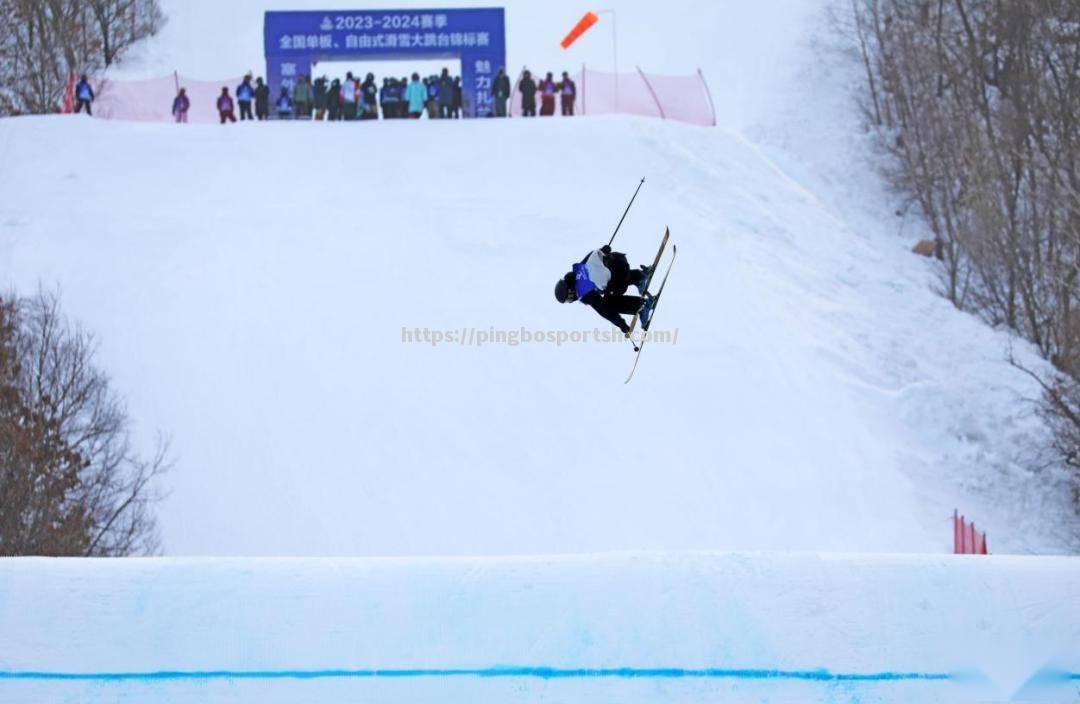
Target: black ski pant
622, 277
612, 307
245, 110
80, 104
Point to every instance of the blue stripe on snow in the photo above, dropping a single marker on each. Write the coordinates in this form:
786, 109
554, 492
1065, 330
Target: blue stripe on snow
509, 671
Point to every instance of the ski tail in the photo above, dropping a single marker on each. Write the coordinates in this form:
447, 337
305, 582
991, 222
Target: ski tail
655, 302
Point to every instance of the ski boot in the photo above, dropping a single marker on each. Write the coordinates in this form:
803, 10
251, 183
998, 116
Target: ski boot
646, 309
643, 282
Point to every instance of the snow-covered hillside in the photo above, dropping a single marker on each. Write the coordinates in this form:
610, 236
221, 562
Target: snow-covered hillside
624, 627
252, 287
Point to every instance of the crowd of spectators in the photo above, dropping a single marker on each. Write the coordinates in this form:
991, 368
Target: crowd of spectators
437, 96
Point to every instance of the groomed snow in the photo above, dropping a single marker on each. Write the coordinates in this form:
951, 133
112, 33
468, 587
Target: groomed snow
631, 627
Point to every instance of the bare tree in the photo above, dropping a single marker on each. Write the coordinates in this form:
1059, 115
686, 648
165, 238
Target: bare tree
122, 23
70, 481
978, 102
45, 42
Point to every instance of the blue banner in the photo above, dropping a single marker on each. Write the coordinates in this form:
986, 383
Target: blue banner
295, 41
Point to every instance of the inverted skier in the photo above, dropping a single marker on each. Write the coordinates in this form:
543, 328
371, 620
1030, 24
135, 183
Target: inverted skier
600, 280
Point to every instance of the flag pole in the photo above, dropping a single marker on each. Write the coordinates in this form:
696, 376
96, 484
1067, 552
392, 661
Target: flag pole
614, 52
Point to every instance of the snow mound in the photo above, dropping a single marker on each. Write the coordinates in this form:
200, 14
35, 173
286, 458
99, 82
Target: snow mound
628, 627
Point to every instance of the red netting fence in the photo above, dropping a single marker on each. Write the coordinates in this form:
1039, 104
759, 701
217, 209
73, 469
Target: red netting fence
683, 98
151, 100
967, 540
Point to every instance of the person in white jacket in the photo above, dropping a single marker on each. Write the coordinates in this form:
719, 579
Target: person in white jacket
348, 97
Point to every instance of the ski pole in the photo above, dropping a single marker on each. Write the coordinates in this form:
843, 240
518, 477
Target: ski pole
626, 211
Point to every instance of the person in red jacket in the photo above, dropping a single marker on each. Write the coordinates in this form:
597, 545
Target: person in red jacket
547, 95
225, 106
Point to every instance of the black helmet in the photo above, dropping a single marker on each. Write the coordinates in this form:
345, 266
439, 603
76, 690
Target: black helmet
564, 289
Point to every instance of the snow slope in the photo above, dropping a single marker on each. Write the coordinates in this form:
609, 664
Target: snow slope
620, 627
251, 287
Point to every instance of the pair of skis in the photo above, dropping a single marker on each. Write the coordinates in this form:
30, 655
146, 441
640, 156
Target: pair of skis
655, 300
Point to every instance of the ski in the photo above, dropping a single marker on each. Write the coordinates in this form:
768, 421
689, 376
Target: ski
659, 253
656, 300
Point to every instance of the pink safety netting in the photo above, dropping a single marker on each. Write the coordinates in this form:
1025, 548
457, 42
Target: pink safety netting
151, 100
682, 98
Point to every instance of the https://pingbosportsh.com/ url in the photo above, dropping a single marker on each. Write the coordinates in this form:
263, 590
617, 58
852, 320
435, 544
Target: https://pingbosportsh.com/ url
472, 336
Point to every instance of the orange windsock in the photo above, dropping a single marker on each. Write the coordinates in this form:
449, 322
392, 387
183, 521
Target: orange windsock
580, 28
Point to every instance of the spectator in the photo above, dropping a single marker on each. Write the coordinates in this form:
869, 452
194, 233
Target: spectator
302, 97
358, 97
384, 99
369, 98
502, 92
320, 98
446, 93
399, 93
84, 95
244, 95
547, 96
527, 87
262, 99
455, 105
416, 96
432, 103
348, 97
225, 106
333, 101
180, 106
284, 104
567, 93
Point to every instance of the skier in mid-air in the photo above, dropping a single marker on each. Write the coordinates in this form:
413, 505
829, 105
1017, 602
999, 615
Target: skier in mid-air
600, 280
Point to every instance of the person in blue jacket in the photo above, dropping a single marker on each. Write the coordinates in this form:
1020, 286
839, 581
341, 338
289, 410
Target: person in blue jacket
245, 93
416, 96
284, 104
384, 98
600, 281
393, 99
84, 95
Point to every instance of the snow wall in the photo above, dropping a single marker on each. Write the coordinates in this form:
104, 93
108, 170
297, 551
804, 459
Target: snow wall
625, 627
